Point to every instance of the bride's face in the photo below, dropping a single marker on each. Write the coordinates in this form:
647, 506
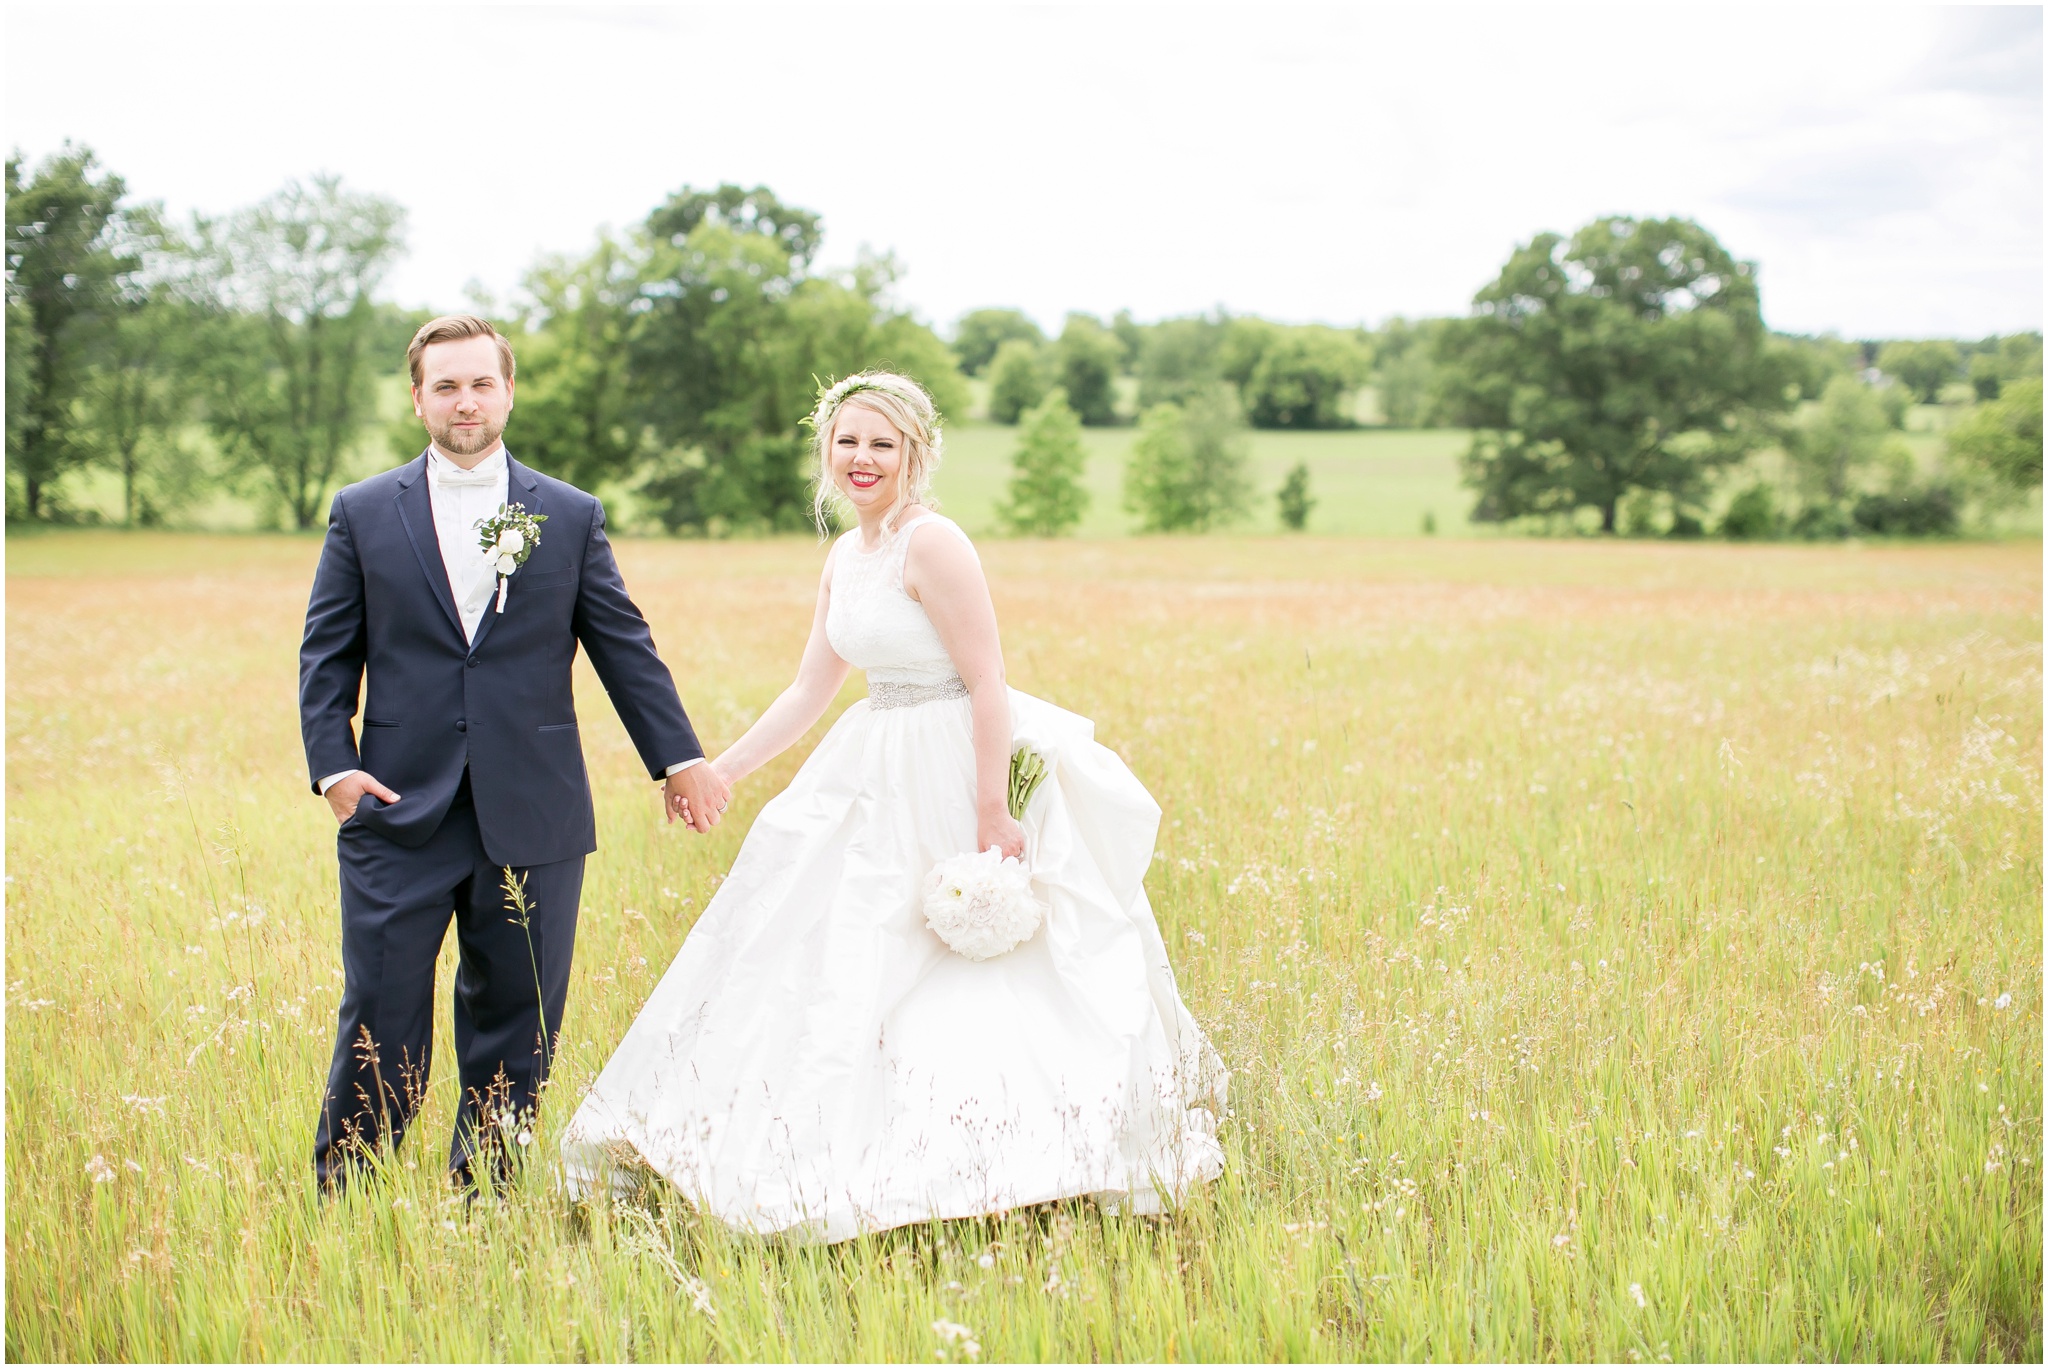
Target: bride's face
867, 457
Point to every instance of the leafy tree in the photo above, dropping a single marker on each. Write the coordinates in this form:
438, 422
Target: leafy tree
1631, 357
1296, 503
1085, 363
1302, 378
73, 252
1186, 471
1922, 367
731, 335
575, 417
1243, 343
1908, 510
290, 359
1406, 375
1046, 497
1130, 335
2002, 439
977, 336
1016, 380
1830, 447
135, 402
1177, 357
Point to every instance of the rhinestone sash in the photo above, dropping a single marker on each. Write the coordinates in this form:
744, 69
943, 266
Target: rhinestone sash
902, 694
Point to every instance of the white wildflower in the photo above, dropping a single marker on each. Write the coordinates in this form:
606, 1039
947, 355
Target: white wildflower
985, 1260
1635, 1290
2002, 1002
100, 1170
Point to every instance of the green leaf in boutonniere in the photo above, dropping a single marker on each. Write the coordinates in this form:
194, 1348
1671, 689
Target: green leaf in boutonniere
509, 535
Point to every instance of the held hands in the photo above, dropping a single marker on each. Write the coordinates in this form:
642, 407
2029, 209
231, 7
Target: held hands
1000, 830
698, 796
345, 793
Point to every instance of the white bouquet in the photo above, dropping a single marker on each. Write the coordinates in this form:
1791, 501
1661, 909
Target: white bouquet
980, 905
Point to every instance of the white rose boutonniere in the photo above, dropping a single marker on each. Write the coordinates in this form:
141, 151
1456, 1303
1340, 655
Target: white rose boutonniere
509, 535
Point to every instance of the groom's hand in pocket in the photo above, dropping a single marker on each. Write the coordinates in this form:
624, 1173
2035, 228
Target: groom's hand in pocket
345, 793
698, 796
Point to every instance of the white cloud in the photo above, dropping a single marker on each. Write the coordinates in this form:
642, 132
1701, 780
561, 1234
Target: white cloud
1340, 164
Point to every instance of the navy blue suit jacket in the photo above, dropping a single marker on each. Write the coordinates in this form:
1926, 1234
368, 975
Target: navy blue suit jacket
501, 706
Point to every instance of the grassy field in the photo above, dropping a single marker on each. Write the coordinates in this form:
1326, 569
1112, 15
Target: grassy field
1623, 951
1368, 482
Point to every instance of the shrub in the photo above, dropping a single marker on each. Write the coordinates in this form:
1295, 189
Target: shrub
1910, 511
1046, 497
1187, 469
1296, 503
1752, 515
2003, 438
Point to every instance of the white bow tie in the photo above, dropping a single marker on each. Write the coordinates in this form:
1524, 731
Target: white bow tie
453, 477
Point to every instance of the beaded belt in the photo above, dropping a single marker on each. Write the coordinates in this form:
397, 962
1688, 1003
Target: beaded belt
902, 694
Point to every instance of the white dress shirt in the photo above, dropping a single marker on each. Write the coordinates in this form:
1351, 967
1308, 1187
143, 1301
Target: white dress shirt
461, 499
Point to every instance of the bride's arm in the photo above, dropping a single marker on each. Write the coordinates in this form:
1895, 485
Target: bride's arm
942, 573
798, 707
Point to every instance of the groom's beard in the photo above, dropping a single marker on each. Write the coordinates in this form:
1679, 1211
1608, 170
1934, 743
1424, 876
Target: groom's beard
457, 442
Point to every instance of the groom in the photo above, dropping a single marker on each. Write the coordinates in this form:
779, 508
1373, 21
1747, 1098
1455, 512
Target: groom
468, 759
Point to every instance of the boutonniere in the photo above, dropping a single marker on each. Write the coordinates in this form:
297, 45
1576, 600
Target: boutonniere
509, 535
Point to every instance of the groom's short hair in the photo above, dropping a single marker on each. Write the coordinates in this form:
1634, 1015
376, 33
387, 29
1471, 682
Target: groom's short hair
454, 328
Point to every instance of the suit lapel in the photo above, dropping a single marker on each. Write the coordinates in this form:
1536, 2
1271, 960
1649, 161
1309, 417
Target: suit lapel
521, 487
416, 512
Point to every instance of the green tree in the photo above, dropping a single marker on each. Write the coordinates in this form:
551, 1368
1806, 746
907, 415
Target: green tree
1405, 372
2002, 439
575, 417
1922, 367
732, 334
1302, 379
1017, 380
1631, 357
1296, 503
136, 402
291, 356
1186, 470
1046, 497
1085, 362
1833, 445
1130, 336
1177, 357
73, 253
977, 336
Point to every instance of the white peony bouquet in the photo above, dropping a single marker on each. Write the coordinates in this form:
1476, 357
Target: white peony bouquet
981, 905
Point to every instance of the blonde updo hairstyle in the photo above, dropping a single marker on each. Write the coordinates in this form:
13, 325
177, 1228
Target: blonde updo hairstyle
909, 409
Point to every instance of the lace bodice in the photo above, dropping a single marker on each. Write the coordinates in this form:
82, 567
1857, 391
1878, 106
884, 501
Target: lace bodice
873, 624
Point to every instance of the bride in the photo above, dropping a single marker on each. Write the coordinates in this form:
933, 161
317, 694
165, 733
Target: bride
816, 1061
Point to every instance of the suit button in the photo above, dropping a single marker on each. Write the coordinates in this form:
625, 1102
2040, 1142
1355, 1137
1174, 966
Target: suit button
472, 663
462, 724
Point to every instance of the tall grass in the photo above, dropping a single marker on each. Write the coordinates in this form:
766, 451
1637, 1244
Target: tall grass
1621, 951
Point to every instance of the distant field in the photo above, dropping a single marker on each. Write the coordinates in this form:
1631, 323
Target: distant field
1369, 482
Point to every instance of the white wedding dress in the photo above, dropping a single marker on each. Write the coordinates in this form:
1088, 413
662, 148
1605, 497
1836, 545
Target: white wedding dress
817, 1062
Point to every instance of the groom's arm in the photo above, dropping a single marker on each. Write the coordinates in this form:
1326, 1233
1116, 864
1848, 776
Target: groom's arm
331, 656
621, 647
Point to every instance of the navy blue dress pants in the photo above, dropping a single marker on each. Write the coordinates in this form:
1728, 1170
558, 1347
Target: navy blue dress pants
509, 989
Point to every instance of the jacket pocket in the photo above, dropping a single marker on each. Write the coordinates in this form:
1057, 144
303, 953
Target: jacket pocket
559, 727
379, 722
546, 579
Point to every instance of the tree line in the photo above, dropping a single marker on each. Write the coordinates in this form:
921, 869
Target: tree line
1622, 375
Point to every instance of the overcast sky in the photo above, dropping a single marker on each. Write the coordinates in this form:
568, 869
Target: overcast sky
1331, 163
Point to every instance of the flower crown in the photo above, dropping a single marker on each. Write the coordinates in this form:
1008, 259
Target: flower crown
830, 397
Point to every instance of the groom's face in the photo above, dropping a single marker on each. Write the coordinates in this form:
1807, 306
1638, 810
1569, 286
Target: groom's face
462, 397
